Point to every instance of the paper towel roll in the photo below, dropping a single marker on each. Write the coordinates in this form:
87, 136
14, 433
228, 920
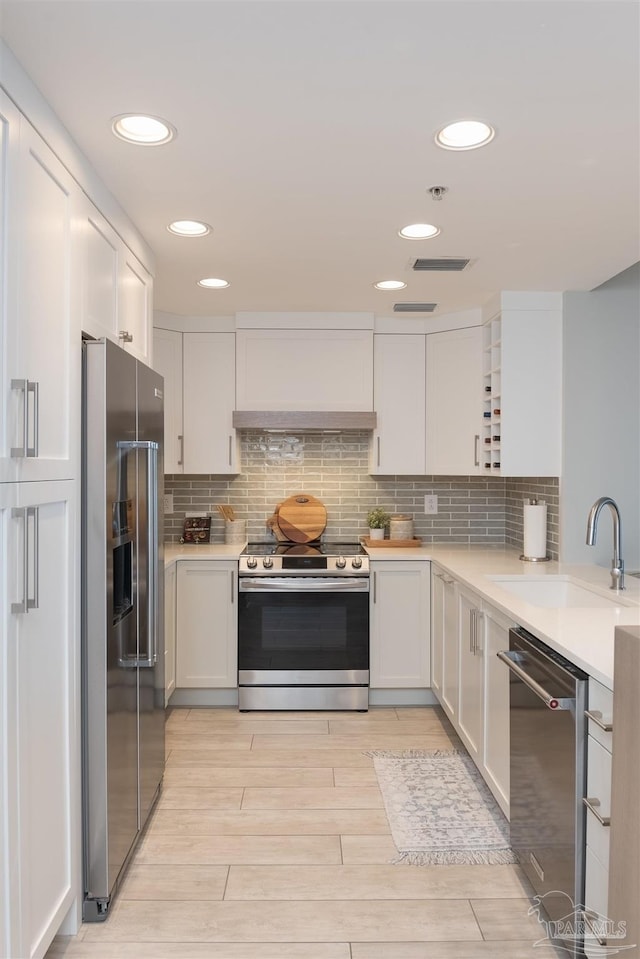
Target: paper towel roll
535, 530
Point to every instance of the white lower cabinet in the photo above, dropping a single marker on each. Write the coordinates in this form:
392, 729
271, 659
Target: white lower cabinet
169, 632
471, 685
39, 720
599, 754
470, 682
496, 744
206, 624
400, 647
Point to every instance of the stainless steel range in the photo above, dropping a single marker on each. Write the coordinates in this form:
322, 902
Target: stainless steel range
303, 626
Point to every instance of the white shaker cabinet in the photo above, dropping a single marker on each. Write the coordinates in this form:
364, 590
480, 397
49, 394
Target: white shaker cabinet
496, 751
116, 287
400, 648
41, 329
40, 697
210, 441
398, 443
199, 384
471, 686
453, 402
312, 369
170, 577
470, 682
167, 360
206, 624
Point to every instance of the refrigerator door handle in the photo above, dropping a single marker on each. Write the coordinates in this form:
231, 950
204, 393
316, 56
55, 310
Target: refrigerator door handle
148, 658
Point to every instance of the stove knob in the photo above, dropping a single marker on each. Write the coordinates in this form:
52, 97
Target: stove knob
252, 562
341, 562
356, 562
267, 562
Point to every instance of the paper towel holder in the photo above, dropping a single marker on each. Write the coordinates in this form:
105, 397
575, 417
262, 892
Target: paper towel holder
534, 559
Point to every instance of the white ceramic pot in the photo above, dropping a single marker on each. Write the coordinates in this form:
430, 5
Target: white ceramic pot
376, 534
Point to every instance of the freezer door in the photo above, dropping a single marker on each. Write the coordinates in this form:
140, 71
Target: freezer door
110, 711
150, 562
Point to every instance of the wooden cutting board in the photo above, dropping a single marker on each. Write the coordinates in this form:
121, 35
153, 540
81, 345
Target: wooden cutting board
302, 518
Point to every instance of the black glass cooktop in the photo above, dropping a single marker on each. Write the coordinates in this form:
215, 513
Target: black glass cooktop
317, 548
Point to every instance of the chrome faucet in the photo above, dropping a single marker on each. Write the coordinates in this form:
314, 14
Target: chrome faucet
617, 563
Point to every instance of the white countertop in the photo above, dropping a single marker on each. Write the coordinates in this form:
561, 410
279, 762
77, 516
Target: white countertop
176, 551
584, 636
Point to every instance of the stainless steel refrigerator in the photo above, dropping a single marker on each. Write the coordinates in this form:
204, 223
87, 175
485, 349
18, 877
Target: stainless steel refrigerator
122, 613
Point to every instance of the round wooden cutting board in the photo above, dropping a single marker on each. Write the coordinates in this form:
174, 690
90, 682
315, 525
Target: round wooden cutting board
302, 518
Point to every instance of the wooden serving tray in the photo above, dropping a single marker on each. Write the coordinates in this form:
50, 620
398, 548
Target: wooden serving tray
384, 543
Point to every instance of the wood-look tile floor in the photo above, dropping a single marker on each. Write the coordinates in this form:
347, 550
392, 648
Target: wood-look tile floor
270, 841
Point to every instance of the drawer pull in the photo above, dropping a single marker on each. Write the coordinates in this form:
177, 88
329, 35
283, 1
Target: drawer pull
597, 719
592, 805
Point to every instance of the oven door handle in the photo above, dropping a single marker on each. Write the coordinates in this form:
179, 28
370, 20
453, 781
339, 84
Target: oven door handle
263, 585
510, 659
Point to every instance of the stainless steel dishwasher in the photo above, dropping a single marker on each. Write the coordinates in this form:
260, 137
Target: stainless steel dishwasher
548, 698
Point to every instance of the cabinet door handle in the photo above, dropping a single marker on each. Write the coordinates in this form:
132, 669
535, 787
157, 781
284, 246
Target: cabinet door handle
375, 586
596, 717
476, 457
479, 616
592, 805
378, 446
230, 448
26, 603
26, 387
472, 630
181, 441
125, 336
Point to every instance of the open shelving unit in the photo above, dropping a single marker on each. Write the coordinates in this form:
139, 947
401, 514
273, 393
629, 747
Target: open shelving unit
490, 434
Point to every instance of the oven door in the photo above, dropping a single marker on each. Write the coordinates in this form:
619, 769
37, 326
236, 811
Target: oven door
313, 628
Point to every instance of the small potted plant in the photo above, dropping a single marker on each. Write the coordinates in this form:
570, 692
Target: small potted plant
378, 520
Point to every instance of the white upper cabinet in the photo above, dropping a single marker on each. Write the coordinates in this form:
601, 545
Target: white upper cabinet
41, 330
313, 369
522, 394
210, 442
454, 402
116, 288
199, 385
100, 276
167, 360
135, 291
398, 445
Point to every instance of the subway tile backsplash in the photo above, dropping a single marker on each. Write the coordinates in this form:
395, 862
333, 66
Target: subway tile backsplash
333, 467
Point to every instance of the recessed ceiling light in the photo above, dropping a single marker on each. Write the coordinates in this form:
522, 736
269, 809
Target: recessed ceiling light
465, 135
189, 228
419, 231
143, 130
213, 283
390, 285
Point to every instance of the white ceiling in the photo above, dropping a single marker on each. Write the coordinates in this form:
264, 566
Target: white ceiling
305, 137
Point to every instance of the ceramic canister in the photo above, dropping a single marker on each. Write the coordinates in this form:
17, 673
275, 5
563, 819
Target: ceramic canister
401, 527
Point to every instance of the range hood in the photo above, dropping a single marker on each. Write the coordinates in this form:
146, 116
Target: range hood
308, 421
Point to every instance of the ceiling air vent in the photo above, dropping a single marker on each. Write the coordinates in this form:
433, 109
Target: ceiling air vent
414, 307
448, 263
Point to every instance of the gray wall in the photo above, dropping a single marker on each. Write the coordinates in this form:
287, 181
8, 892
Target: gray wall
601, 417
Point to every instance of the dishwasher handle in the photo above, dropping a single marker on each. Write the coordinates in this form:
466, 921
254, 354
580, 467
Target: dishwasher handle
510, 659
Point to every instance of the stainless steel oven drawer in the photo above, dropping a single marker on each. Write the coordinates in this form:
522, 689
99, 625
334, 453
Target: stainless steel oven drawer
303, 697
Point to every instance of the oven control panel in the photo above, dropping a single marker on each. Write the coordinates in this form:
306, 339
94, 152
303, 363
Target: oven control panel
251, 565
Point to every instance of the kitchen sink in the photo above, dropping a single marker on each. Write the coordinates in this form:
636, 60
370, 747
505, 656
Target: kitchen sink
557, 591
